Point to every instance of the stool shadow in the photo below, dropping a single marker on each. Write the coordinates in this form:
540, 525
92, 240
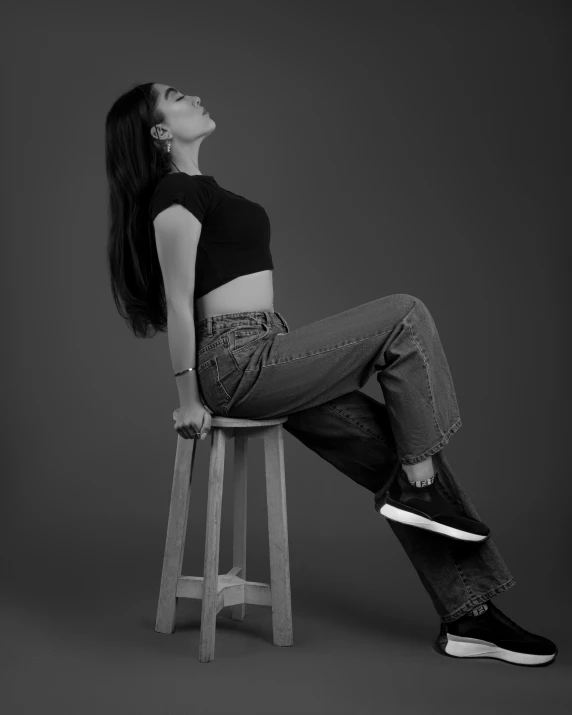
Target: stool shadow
384, 620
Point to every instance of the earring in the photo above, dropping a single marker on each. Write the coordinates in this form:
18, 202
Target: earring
168, 145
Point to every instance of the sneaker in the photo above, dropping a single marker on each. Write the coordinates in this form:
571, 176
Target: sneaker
425, 508
493, 635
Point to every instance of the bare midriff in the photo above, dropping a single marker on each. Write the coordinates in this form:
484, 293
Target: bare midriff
249, 293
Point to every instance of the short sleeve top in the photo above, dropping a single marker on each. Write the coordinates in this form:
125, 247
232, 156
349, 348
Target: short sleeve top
235, 233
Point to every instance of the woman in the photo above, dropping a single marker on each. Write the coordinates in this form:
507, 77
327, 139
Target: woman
191, 257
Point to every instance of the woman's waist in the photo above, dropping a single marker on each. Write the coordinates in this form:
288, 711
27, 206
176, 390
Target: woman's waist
253, 292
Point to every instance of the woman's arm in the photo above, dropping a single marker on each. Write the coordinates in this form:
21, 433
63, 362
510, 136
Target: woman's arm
177, 233
181, 333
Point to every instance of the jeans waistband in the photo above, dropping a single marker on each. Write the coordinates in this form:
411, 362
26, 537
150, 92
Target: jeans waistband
218, 323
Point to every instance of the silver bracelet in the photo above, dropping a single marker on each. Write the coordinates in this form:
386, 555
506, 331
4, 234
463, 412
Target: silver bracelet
183, 371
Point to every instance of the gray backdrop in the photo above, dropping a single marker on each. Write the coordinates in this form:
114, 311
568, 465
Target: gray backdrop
415, 147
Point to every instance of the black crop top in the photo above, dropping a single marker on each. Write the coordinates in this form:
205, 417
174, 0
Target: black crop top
235, 235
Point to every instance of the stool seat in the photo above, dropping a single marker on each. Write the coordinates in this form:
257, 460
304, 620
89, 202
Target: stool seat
217, 421
231, 589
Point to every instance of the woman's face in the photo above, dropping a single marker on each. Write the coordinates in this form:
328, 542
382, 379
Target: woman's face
183, 113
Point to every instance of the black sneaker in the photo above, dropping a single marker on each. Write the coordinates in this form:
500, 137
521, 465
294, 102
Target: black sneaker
493, 635
425, 508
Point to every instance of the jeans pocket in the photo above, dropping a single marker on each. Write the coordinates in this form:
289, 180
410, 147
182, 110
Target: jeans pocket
211, 387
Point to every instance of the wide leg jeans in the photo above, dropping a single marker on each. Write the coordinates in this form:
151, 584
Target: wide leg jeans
250, 364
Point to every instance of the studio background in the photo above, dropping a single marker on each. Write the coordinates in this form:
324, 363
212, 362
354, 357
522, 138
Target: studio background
410, 147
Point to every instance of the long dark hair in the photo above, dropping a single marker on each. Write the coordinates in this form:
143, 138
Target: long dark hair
134, 163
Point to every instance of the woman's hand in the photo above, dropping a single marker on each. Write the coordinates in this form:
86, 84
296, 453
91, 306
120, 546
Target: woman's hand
192, 419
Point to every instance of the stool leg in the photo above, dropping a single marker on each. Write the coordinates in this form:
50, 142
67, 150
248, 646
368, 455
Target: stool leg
238, 611
278, 536
176, 532
212, 543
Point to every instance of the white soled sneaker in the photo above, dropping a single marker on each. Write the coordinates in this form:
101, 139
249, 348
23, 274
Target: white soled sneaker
486, 632
424, 507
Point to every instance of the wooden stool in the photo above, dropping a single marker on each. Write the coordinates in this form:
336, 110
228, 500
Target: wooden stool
231, 589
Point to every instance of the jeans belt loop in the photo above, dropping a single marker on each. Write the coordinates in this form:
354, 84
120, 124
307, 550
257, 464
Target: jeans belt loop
283, 322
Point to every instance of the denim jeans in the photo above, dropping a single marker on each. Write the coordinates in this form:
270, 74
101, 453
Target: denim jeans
252, 365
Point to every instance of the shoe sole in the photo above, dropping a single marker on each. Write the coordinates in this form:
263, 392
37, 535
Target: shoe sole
458, 647
406, 517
